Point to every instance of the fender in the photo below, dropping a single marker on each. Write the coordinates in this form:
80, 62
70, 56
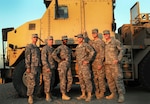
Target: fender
14, 55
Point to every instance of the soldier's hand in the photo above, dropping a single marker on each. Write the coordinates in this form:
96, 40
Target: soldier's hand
48, 70
85, 62
115, 61
28, 70
85, 34
99, 67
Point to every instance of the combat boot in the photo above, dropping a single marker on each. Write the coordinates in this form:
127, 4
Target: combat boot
83, 96
101, 95
121, 98
111, 96
65, 97
30, 100
48, 98
88, 97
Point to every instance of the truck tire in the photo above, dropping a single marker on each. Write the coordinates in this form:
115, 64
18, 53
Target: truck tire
144, 72
18, 81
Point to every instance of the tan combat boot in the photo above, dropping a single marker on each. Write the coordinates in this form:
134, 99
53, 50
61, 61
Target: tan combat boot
83, 96
48, 98
101, 95
121, 98
65, 97
30, 100
111, 96
88, 97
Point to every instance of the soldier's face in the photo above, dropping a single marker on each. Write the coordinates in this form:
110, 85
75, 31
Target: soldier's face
94, 35
107, 36
50, 42
35, 39
80, 40
65, 41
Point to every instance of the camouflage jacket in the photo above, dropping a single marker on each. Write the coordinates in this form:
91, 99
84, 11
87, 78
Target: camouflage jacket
32, 56
46, 57
113, 51
62, 52
98, 46
84, 52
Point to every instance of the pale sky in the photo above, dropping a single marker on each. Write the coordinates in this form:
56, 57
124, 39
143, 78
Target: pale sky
14, 13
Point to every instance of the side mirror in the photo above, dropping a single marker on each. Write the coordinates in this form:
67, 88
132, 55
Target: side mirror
5, 31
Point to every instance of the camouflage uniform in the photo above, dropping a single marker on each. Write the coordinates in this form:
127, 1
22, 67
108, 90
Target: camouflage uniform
33, 62
99, 81
62, 54
114, 51
48, 63
84, 52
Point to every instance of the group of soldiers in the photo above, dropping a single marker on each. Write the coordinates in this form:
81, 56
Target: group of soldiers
103, 57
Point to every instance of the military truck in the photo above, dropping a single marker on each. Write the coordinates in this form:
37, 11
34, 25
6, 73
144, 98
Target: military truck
136, 40
62, 17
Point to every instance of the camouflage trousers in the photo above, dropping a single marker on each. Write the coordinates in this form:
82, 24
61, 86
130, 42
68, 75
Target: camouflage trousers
65, 76
85, 78
114, 78
99, 78
49, 79
33, 79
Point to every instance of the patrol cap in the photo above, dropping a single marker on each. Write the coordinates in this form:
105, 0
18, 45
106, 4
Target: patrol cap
94, 31
64, 37
34, 35
79, 36
106, 32
50, 37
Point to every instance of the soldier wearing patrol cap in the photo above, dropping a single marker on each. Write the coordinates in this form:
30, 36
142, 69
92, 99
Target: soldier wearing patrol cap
34, 35
113, 55
97, 65
49, 66
33, 66
62, 54
84, 54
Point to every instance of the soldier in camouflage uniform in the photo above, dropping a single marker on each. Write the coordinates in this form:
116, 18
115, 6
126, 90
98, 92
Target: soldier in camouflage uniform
33, 66
62, 54
97, 65
84, 54
49, 67
113, 55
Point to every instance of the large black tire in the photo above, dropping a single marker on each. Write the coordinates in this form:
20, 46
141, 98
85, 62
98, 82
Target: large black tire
17, 79
144, 72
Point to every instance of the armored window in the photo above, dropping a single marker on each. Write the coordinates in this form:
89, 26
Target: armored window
61, 12
32, 26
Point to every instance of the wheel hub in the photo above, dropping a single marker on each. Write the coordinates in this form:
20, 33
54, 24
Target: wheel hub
24, 78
